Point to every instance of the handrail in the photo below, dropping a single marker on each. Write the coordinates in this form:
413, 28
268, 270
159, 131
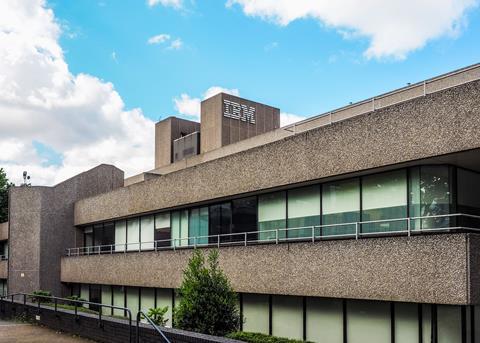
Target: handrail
150, 321
274, 236
11, 297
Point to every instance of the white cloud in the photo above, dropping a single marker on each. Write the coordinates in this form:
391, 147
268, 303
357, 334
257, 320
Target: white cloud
161, 38
190, 106
168, 3
394, 28
176, 44
80, 117
289, 118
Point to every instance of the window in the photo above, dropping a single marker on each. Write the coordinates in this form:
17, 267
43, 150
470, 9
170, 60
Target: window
133, 234
272, 215
340, 204
430, 195
256, 313
133, 299
88, 236
198, 226
107, 299
146, 233
164, 298
303, 211
449, 323
367, 317
384, 196
244, 217
147, 300
220, 221
406, 323
162, 229
120, 235
287, 317
95, 296
118, 300
108, 235
324, 320
180, 228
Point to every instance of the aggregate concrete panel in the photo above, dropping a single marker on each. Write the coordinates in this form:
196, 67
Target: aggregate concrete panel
427, 269
3, 269
4, 231
436, 124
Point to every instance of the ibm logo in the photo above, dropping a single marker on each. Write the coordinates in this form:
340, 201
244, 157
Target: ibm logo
239, 112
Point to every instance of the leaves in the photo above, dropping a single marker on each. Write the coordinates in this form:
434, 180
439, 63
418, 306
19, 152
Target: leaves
208, 303
4, 187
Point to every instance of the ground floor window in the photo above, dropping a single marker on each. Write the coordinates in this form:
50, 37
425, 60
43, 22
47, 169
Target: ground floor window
322, 320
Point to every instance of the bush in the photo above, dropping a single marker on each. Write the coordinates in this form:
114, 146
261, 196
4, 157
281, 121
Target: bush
75, 300
157, 315
208, 303
40, 296
253, 337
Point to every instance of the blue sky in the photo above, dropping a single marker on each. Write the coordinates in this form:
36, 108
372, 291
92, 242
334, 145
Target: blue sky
304, 68
83, 82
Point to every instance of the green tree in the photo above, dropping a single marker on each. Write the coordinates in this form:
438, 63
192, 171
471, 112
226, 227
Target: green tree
157, 315
4, 186
208, 303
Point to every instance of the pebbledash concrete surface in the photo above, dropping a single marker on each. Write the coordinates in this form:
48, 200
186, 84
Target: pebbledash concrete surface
359, 225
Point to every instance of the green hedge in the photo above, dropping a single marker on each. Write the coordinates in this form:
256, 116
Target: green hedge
253, 337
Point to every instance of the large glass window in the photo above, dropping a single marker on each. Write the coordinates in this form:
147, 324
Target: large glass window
324, 320
406, 323
384, 196
118, 299
180, 228
244, 217
88, 236
107, 299
287, 317
430, 195
147, 300
468, 198
147, 232
164, 298
133, 299
340, 204
104, 236
303, 211
272, 215
95, 297
120, 235
256, 313
220, 217
449, 324
368, 321
133, 234
163, 232
198, 226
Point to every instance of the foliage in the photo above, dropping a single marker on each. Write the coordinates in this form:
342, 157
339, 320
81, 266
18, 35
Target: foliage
40, 296
208, 303
75, 300
253, 337
4, 187
157, 315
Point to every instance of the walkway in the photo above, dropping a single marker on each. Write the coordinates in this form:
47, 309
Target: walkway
15, 332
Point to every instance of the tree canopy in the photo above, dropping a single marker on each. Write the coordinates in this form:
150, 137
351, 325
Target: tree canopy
4, 186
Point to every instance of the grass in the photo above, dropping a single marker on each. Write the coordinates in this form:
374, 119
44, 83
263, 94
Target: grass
253, 337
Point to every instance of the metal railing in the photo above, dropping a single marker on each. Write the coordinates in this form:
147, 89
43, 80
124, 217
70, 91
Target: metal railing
385, 227
140, 314
56, 301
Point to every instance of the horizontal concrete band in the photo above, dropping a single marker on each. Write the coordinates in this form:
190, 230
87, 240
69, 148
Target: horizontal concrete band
3, 269
439, 123
427, 269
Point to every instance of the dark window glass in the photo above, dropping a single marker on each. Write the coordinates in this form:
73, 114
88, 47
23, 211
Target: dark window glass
95, 297
97, 236
468, 185
163, 231
88, 236
108, 236
220, 217
244, 217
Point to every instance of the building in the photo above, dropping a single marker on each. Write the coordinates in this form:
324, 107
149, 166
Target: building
359, 225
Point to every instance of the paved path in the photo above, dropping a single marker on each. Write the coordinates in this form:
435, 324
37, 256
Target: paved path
14, 332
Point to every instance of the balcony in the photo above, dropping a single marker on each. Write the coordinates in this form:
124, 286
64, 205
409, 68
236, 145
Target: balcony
417, 262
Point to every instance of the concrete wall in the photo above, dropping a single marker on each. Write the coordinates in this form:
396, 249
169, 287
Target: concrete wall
439, 123
3, 269
430, 269
41, 227
3, 231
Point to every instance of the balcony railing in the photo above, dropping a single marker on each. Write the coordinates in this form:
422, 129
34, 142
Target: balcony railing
407, 226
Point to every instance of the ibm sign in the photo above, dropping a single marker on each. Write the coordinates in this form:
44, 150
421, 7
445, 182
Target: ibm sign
238, 111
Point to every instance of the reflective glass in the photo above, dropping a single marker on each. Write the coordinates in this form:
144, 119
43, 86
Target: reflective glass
272, 215
303, 211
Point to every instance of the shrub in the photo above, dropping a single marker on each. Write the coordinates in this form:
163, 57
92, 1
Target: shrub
157, 315
40, 296
208, 303
253, 337
75, 300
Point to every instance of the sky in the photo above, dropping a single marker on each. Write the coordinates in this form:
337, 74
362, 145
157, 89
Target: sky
83, 82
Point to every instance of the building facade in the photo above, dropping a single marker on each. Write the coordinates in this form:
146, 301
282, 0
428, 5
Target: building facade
360, 225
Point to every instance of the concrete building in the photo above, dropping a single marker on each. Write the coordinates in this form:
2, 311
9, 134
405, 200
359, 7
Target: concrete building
358, 225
